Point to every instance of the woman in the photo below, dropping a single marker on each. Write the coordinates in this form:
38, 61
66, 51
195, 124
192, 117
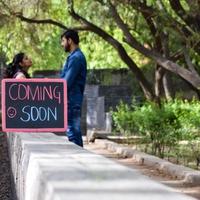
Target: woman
19, 67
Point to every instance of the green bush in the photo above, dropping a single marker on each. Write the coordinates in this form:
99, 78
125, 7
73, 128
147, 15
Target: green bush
123, 119
163, 127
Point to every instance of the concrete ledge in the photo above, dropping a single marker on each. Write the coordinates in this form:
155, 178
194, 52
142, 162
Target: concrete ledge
48, 167
92, 135
187, 175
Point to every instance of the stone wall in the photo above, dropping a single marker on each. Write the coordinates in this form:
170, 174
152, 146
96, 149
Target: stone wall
48, 167
114, 94
113, 85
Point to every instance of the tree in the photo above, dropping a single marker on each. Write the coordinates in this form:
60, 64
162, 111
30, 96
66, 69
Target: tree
168, 37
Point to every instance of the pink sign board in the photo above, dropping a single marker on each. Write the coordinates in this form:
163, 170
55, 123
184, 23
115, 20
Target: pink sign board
34, 105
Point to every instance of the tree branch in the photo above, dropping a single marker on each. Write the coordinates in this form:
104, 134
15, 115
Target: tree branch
118, 46
188, 61
191, 20
40, 21
164, 62
47, 21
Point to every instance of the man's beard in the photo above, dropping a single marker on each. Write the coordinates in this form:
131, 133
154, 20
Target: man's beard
67, 48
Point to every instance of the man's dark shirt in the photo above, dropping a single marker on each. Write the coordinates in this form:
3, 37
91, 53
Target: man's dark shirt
74, 72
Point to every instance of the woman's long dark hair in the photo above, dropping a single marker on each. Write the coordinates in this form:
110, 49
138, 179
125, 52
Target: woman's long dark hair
14, 66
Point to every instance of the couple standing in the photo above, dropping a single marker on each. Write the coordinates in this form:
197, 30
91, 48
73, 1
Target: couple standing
74, 72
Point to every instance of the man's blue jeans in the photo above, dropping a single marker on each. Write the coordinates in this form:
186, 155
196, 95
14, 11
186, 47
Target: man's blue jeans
74, 125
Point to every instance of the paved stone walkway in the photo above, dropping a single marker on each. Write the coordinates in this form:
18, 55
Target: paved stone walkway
145, 170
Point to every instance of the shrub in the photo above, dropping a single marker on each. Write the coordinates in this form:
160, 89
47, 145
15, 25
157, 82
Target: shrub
163, 127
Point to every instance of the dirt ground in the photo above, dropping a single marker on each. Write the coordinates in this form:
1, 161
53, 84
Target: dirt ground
5, 183
147, 171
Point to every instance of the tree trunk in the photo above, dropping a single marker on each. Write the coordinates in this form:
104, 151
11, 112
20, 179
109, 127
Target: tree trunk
159, 72
193, 88
168, 86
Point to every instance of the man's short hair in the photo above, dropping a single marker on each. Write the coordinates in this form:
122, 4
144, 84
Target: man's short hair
71, 34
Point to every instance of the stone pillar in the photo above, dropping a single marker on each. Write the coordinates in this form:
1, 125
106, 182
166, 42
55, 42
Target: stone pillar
95, 113
91, 91
108, 123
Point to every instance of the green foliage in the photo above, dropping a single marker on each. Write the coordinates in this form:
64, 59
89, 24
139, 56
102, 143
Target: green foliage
123, 119
188, 114
164, 127
41, 42
38, 41
100, 55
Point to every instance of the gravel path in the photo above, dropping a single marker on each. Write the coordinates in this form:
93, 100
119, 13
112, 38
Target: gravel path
5, 183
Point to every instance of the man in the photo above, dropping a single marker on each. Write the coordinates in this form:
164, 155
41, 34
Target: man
74, 72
